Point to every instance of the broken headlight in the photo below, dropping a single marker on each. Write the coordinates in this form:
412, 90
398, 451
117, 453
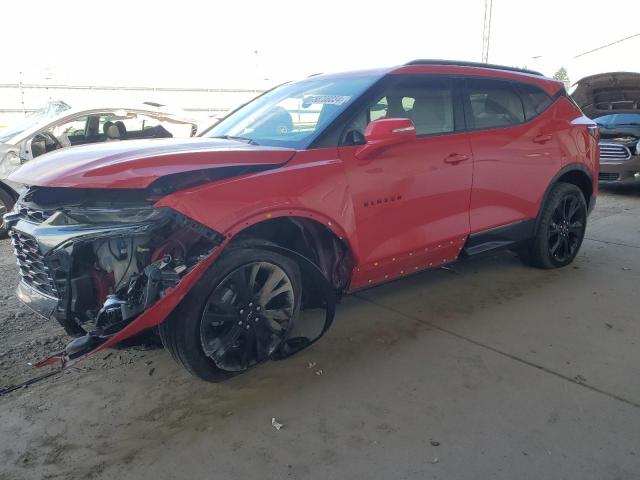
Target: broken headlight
106, 216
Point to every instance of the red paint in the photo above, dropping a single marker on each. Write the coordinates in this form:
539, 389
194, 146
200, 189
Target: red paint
409, 198
401, 203
137, 163
385, 133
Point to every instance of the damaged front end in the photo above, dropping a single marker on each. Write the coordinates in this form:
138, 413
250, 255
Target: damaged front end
96, 260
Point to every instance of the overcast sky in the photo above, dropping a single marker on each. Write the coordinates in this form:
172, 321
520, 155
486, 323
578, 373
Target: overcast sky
214, 43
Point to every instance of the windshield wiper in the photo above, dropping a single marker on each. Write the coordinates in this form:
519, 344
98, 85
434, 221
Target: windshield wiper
239, 139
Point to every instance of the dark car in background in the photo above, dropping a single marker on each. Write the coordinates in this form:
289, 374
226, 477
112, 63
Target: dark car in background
613, 101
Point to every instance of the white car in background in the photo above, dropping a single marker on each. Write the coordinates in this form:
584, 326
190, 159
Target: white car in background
60, 126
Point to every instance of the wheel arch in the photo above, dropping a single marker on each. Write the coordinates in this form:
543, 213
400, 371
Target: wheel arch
309, 235
576, 174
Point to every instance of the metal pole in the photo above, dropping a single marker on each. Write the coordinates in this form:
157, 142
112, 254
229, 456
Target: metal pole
486, 30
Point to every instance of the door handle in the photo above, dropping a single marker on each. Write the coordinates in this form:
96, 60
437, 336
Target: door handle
455, 158
543, 138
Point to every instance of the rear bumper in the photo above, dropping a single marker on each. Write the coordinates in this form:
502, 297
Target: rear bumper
623, 172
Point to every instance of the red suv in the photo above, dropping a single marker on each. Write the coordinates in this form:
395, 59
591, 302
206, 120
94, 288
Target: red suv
235, 247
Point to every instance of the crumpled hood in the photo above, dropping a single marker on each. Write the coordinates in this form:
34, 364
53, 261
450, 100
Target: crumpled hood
607, 93
137, 163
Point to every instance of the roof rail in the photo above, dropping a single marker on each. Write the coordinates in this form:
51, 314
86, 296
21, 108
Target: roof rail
472, 64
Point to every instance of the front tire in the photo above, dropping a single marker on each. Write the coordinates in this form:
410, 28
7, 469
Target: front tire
560, 231
237, 315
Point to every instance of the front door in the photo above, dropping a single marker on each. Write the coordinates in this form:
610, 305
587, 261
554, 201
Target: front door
411, 201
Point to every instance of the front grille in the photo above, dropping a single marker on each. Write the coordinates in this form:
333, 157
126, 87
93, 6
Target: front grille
33, 269
608, 177
614, 151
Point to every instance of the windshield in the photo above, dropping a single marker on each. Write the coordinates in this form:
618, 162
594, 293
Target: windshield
51, 110
619, 119
293, 114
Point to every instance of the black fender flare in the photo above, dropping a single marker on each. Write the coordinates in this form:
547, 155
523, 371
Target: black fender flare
572, 167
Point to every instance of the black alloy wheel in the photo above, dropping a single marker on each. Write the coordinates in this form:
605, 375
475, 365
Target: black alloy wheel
560, 230
247, 316
566, 228
237, 315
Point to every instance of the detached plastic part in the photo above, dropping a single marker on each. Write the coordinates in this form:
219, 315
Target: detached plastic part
82, 345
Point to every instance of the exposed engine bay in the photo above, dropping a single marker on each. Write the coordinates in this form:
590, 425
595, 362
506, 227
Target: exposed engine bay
102, 257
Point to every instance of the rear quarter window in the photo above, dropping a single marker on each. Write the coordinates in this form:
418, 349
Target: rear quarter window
492, 104
534, 99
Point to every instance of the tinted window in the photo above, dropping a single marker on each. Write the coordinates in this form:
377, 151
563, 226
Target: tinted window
427, 101
492, 104
534, 99
292, 114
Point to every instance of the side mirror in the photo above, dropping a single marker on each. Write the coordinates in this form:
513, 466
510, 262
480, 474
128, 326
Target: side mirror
384, 133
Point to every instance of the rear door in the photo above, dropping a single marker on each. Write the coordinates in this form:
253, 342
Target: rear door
411, 201
515, 150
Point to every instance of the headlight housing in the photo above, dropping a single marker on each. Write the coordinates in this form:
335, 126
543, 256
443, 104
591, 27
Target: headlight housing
107, 216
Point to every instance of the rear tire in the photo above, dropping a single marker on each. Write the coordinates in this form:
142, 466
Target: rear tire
560, 231
209, 317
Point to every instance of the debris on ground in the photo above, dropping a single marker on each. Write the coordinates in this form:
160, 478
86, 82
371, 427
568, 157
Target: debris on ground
31, 381
626, 269
580, 379
319, 372
311, 364
434, 443
151, 371
275, 424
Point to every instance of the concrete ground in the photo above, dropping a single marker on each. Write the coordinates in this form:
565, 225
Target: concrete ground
493, 370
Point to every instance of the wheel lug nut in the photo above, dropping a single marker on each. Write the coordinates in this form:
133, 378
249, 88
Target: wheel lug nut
240, 323
241, 311
251, 304
258, 308
248, 327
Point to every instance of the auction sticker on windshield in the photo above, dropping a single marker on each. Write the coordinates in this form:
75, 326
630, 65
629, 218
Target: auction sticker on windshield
325, 100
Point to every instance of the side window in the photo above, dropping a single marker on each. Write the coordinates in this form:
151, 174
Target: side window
134, 125
492, 104
72, 132
379, 110
534, 99
427, 101
62, 135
